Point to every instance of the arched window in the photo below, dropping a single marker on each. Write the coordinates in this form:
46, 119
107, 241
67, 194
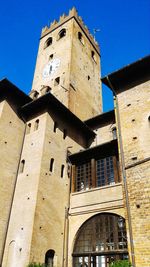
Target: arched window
49, 258
101, 239
48, 89
62, 33
48, 42
22, 164
28, 129
114, 132
36, 125
93, 55
45, 89
35, 95
80, 37
51, 56
57, 81
64, 133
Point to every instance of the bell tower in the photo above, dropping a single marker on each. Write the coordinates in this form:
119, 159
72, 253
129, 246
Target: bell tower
68, 65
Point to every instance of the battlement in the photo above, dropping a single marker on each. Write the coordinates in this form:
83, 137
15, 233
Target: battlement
63, 19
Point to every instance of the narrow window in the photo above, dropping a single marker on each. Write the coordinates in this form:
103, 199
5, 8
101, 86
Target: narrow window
51, 167
83, 177
49, 258
51, 56
93, 55
80, 37
48, 89
35, 95
62, 170
57, 81
114, 133
22, 164
36, 125
62, 33
64, 133
48, 42
28, 129
55, 126
88, 77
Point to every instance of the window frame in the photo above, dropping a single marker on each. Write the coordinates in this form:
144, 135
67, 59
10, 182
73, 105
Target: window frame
62, 33
48, 42
93, 176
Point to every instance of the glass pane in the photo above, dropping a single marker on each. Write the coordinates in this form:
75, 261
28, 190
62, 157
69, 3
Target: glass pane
101, 233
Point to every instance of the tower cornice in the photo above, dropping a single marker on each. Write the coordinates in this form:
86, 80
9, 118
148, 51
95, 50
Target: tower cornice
65, 18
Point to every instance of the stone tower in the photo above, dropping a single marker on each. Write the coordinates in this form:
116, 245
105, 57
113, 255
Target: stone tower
73, 192
66, 50
39, 202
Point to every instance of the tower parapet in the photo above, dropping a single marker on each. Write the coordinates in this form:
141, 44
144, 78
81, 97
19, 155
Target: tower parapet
64, 18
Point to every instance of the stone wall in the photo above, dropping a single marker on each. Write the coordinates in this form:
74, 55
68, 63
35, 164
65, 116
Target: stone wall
134, 112
11, 138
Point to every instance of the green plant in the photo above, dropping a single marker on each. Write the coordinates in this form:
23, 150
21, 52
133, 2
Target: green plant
121, 263
34, 264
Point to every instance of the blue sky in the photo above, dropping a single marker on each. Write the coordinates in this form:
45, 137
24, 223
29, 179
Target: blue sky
124, 35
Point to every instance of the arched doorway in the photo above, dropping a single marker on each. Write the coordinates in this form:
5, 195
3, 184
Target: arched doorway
100, 241
49, 258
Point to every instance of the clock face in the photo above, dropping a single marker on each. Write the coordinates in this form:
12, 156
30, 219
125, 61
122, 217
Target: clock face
51, 67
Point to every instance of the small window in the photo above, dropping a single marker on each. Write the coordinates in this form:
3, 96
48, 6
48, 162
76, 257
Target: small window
62, 170
36, 125
51, 56
45, 89
64, 133
51, 167
55, 126
48, 42
114, 133
35, 95
88, 77
93, 55
22, 164
48, 89
49, 258
57, 81
28, 129
62, 33
80, 37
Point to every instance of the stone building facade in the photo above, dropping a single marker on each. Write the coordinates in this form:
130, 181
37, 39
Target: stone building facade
74, 180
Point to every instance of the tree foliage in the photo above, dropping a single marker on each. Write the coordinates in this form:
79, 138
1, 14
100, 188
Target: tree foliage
121, 263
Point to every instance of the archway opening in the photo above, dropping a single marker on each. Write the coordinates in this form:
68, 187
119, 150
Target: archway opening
49, 258
100, 241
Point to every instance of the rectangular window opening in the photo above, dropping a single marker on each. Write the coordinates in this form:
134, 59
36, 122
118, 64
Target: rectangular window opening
55, 127
96, 173
51, 165
62, 170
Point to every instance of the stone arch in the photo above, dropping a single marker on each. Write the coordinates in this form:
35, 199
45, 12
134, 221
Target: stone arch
100, 239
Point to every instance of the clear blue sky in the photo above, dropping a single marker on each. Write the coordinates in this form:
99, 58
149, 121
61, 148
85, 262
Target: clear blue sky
124, 35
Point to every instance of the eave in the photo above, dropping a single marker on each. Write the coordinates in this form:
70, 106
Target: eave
97, 152
15, 97
101, 120
49, 103
129, 76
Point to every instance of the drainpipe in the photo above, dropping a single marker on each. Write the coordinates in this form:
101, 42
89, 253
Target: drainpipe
13, 194
123, 172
